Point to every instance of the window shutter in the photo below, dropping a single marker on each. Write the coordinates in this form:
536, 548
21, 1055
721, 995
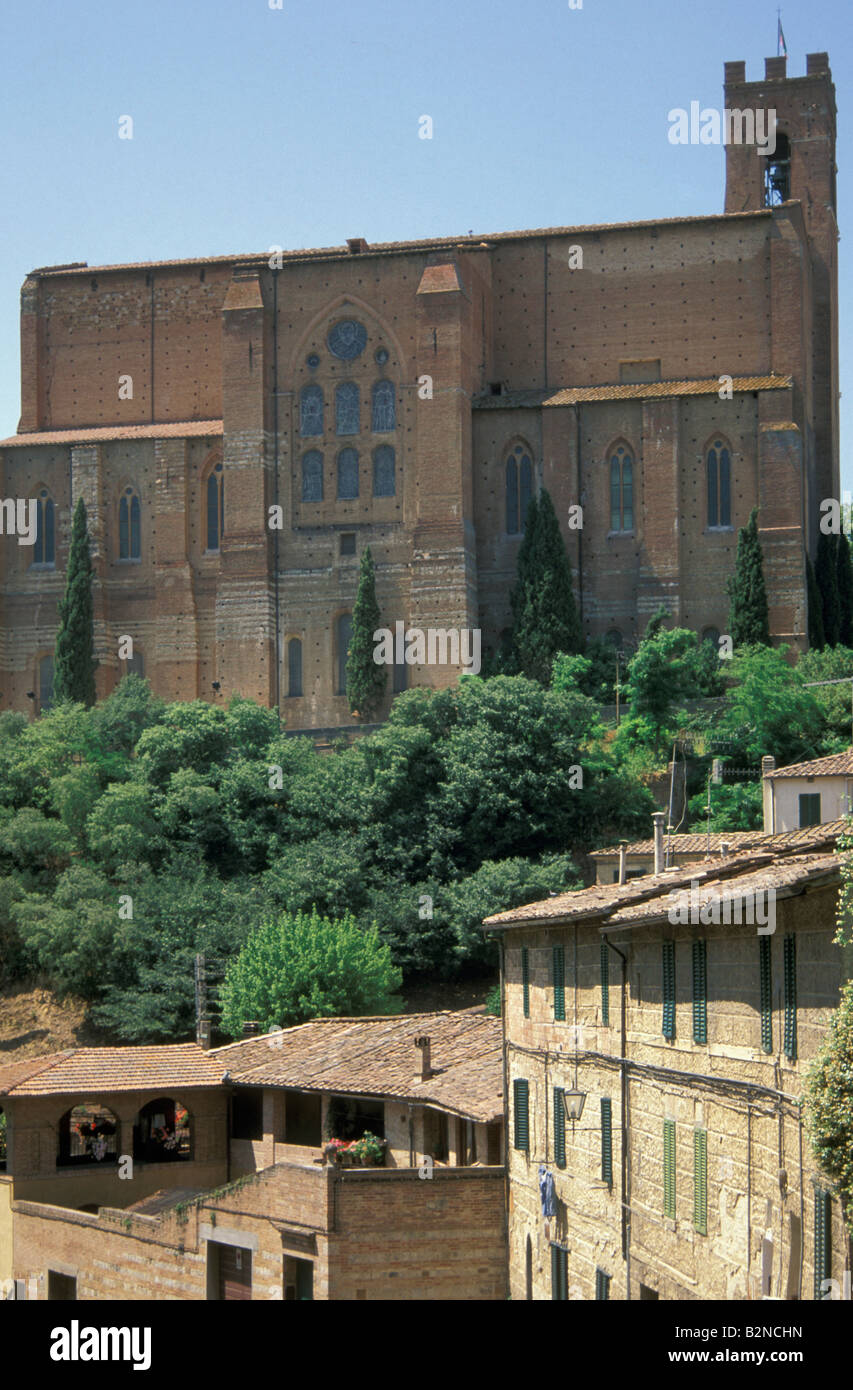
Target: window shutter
606, 1140
822, 1243
559, 1273
605, 983
602, 1286
668, 1025
700, 993
669, 1169
520, 1092
790, 956
559, 1128
559, 983
525, 980
700, 1181
766, 986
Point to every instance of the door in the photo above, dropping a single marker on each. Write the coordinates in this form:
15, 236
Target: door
235, 1273
61, 1287
298, 1280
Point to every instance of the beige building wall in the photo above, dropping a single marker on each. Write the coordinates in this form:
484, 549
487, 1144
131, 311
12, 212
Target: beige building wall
782, 799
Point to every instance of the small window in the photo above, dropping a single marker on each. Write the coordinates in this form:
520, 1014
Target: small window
700, 1181
294, 668
348, 543
559, 1274
669, 1169
312, 476
347, 408
621, 490
668, 990
44, 550
602, 1286
525, 980
790, 965
559, 1128
559, 971
700, 992
347, 475
719, 486
311, 411
822, 1244
765, 986
384, 484
519, 489
605, 975
809, 809
129, 526
607, 1140
215, 508
521, 1097
400, 678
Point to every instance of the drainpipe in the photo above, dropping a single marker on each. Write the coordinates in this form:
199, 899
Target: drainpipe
623, 1072
658, 819
277, 682
505, 1088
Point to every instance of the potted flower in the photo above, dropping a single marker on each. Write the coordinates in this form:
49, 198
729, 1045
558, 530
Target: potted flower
369, 1150
334, 1151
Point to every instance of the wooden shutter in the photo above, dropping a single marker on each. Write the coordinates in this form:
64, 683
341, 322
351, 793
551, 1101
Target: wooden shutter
525, 980
700, 993
822, 1242
668, 958
606, 1140
559, 1273
605, 983
559, 983
520, 1092
790, 958
700, 1181
602, 1286
669, 1169
559, 1128
765, 973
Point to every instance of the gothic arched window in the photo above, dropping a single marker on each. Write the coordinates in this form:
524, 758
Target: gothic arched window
129, 526
294, 667
45, 684
347, 410
719, 485
384, 484
344, 637
621, 489
384, 407
347, 475
215, 507
312, 477
44, 550
519, 489
311, 410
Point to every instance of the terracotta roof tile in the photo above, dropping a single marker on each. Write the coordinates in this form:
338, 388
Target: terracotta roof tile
103, 1069
655, 390
105, 433
837, 764
378, 1057
698, 843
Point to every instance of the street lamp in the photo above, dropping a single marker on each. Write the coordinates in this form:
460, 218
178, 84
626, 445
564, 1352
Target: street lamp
573, 1102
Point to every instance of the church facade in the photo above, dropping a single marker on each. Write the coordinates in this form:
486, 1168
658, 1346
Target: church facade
242, 427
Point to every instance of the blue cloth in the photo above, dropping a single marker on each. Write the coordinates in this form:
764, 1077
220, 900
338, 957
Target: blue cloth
547, 1193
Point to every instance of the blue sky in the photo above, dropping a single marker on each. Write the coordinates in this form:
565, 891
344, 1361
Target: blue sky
298, 127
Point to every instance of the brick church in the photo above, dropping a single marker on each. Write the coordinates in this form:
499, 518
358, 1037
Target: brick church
412, 396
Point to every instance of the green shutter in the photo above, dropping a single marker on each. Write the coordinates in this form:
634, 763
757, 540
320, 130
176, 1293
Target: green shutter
525, 980
606, 1139
668, 1025
700, 993
605, 983
790, 956
559, 983
765, 972
520, 1092
669, 1169
559, 1128
822, 1242
602, 1285
700, 1181
559, 1273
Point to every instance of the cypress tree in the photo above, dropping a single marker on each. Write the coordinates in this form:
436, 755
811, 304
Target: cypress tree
817, 641
826, 574
366, 678
748, 618
74, 677
845, 591
545, 615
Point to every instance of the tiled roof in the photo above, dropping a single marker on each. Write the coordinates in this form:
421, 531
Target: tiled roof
698, 843
836, 765
105, 433
648, 898
469, 241
378, 1057
654, 390
163, 1200
102, 1069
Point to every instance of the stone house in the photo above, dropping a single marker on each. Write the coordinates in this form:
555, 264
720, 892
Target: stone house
807, 794
271, 1218
657, 1035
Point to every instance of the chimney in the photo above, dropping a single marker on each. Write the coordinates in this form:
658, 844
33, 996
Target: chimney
724, 848
202, 1033
623, 863
658, 819
423, 1046
768, 765
357, 245
251, 1028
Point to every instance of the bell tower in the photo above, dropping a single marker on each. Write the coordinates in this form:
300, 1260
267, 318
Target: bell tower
801, 169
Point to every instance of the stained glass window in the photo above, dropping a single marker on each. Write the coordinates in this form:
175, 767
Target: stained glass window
347, 408
311, 411
312, 476
44, 550
347, 474
383, 471
215, 508
129, 544
719, 485
621, 490
347, 340
384, 407
519, 489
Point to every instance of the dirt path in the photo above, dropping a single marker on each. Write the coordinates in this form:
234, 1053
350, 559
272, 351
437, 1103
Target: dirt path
33, 1021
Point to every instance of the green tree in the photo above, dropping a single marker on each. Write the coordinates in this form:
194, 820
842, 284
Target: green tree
828, 1103
817, 638
769, 711
826, 574
545, 615
294, 968
844, 578
748, 619
366, 677
74, 677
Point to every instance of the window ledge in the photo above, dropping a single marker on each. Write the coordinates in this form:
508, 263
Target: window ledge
719, 530
129, 560
43, 565
613, 535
